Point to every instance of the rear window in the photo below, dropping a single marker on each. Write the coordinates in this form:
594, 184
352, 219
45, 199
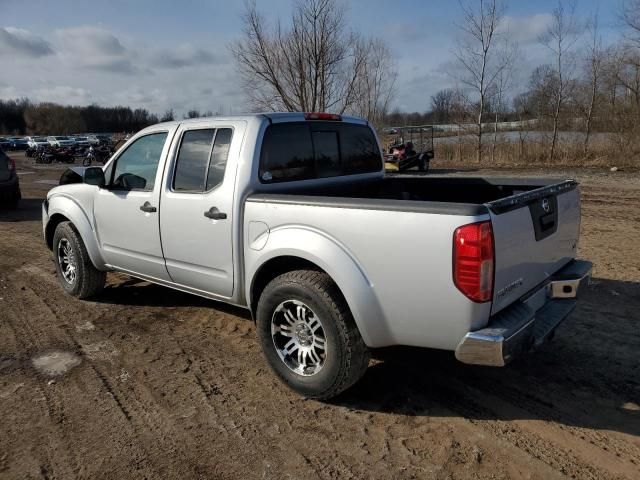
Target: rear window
301, 151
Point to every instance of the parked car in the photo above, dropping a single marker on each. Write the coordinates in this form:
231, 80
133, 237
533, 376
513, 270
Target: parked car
9, 183
5, 143
19, 143
268, 212
81, 141
60, 141
35, 142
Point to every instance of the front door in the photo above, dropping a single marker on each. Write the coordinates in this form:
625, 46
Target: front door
196, 219
127, 210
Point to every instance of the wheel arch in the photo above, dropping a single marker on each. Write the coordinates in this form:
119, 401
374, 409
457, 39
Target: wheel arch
342, 269
63, 209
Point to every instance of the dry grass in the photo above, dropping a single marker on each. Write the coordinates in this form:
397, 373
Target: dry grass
617, 150
601, 153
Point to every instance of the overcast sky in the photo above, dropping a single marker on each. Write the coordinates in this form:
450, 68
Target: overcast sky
161, 54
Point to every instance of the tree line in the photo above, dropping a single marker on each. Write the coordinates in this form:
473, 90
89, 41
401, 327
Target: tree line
586, 86
23, 117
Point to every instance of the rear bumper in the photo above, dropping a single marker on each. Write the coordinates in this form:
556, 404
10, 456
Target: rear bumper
529, 321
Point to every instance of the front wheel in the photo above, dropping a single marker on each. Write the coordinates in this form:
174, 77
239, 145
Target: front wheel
308, 334
76, 273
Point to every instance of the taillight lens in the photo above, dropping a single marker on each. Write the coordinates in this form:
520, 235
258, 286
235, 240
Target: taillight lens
473, 261
12, 164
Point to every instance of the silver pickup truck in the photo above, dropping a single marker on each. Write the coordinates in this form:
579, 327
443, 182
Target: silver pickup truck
291, 216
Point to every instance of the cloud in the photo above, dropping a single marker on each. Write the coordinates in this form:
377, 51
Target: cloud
185, 56
96, 48
63, 94
526, 30
22, 42
405, 32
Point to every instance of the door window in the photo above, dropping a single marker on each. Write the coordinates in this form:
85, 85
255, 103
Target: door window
202, 160
136, 167
193, 157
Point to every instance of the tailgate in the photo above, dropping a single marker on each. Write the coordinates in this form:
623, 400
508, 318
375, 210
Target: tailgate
535, 234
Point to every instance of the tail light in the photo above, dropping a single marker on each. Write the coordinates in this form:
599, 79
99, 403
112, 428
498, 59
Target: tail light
322, 116
12, 164
473, 261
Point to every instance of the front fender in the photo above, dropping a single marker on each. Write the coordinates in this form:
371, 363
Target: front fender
340, 264
81, 217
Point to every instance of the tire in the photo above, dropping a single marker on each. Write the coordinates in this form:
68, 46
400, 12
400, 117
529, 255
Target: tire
86, 162
87, 280
343, 359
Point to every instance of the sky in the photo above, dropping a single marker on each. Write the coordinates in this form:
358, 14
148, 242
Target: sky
162, 54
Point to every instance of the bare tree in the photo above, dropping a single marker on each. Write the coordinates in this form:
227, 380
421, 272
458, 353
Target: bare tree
168, 116
503, 82
475, 54
560, 37
374, 87
442, 104
316, 64
193, 113
594, 63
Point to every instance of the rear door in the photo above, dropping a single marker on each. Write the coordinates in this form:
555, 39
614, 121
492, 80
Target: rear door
196, 218
535, 234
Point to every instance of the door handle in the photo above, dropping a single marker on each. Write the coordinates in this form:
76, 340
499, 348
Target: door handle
148, 208
215, 214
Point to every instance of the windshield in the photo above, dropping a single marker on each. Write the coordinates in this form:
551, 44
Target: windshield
61, 138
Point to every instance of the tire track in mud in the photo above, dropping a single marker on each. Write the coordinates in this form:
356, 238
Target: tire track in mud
55, 404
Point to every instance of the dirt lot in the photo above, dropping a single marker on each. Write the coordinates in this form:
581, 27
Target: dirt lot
166, 385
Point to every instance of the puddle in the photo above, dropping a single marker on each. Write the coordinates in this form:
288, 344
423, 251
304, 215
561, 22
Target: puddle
55, 363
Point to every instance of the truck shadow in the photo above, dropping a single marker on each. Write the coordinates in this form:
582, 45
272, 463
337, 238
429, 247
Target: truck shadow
134, 292
587, 377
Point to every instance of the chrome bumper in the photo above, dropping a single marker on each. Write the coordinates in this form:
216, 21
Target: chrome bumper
528, 322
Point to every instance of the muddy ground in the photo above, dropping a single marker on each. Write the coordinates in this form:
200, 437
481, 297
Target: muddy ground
153, 383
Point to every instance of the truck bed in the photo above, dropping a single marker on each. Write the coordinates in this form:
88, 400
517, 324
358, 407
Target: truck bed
433, 194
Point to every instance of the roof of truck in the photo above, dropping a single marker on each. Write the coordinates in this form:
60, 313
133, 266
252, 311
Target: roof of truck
276, 117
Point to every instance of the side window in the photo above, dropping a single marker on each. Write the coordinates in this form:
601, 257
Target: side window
193, 157
219, 155
136, 167
287, 153
360, 152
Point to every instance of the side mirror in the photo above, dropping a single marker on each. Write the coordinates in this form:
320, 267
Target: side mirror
94, 176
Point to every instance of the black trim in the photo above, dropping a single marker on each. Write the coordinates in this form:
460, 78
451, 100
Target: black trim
410, 206
527, 198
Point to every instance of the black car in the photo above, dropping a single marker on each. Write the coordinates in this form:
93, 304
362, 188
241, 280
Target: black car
9, 185
5, 143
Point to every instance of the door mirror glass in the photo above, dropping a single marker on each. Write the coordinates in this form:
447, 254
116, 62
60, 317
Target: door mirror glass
93, 176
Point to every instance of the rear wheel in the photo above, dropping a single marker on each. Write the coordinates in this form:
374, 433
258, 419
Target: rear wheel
76, 273
308, 335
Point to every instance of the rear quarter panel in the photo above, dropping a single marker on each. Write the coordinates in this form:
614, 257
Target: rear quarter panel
401, 290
